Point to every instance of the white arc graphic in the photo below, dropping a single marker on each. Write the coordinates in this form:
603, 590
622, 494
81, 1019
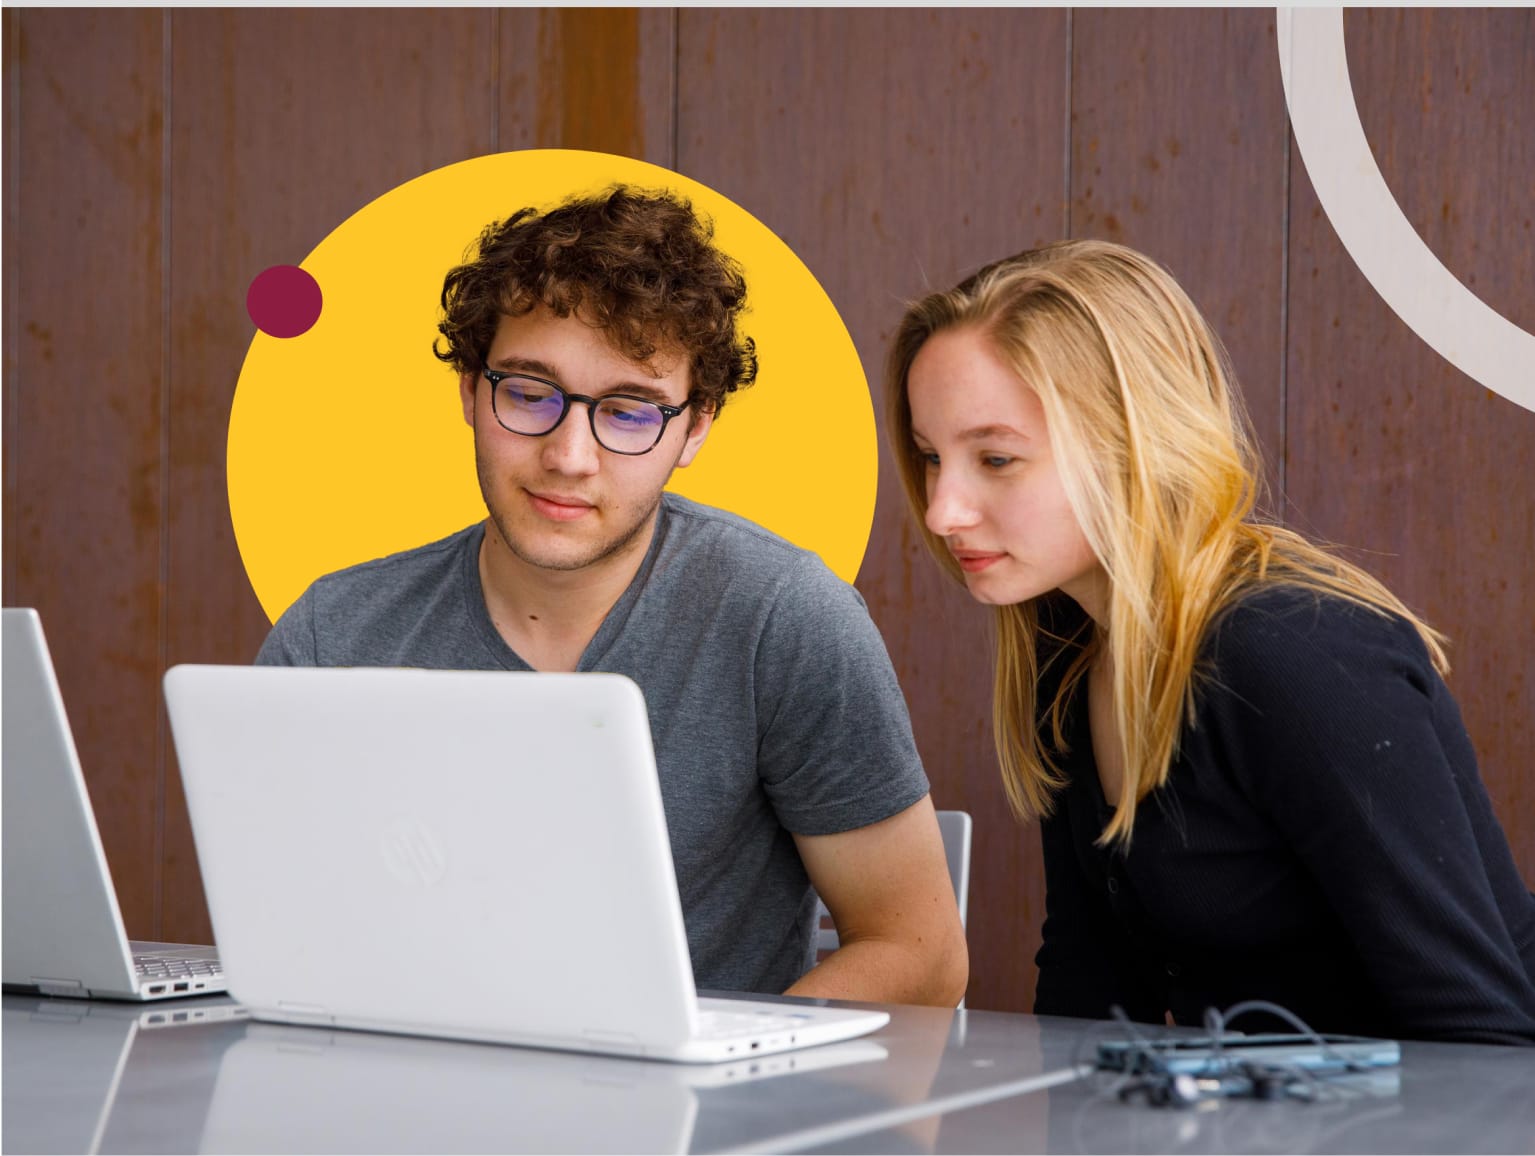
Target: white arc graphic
1455, 322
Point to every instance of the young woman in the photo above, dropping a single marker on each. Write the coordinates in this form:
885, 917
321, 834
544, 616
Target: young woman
1254, 783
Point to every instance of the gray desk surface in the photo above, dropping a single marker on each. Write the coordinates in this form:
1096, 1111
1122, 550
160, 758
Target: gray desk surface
1444, 1098
82, 1077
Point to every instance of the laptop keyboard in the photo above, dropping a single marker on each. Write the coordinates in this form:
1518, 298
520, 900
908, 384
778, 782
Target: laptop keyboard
160, 967
724, 1025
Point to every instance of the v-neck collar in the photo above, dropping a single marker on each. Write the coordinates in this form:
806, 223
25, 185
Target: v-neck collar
612, 623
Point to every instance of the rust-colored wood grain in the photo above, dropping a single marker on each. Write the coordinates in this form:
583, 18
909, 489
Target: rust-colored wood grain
1425, 474
85, 376
10, 272
896, 151
601, 79
273, 146
1178, 149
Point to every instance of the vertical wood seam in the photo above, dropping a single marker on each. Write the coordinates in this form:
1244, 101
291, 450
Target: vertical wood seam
13, 18
1070, 47
495, 80
676, 101
162, 609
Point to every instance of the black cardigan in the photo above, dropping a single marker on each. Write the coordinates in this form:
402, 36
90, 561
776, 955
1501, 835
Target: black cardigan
1323, 841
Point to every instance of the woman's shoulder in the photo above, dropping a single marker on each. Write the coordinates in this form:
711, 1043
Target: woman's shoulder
1286, 615
1311, 644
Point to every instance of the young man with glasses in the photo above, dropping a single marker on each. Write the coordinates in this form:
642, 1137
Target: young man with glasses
595, 345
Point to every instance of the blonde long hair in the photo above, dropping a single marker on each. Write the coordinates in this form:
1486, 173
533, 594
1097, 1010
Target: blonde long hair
1159, 463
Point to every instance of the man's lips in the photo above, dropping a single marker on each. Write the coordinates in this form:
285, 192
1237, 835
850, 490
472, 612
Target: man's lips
559, 507
974, 561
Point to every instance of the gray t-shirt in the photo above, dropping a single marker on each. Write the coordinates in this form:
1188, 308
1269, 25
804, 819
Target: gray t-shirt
773, 706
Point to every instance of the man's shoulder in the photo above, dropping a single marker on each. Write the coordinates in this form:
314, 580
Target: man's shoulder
402, 609
401, 568
698, 526
724, 567
711, 542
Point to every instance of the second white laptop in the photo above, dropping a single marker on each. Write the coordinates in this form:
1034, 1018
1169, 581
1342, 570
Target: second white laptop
64, 932
471, 855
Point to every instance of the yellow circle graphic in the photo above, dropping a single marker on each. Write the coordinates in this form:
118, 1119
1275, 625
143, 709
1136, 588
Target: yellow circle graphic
348, 441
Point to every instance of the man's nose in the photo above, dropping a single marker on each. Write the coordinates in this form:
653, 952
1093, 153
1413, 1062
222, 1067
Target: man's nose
570, 448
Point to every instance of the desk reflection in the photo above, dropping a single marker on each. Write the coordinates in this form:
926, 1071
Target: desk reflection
282, 1089
94, 1077
68, 1062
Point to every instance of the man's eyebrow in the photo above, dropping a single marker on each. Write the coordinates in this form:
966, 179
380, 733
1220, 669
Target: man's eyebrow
538, 368
525, 365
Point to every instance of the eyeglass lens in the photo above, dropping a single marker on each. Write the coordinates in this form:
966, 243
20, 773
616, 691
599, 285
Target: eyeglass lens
625, 425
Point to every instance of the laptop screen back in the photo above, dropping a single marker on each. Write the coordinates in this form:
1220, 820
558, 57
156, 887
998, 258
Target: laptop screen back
461, 853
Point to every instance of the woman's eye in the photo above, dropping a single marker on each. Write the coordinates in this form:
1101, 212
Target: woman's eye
996, 461
929, 458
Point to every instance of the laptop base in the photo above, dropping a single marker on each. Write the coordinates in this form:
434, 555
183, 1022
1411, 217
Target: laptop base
792, 1027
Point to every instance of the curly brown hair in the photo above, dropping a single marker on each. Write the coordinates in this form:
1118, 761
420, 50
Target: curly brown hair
639, 264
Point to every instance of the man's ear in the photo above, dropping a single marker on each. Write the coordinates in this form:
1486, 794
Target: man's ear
468, 383
703, 419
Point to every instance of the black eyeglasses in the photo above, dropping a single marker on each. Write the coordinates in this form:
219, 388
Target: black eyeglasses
535, 407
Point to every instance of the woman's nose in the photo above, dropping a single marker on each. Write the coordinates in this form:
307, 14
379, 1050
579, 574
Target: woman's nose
948, 506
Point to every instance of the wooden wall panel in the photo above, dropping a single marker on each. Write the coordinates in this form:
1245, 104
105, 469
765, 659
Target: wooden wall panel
1192, 172
155, 162
1392, 451
1446, 97
10, 271
83, 443
589, 78
272, 147
896, 151
268, 146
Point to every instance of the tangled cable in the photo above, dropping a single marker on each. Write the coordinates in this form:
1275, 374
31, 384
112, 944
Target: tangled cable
1179, 1072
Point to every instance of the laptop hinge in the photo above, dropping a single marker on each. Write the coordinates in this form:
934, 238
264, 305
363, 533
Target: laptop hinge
64, 987
614, 1041
308, 1011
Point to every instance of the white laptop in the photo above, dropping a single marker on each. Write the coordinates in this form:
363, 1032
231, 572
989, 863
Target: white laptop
64, 933
471, 855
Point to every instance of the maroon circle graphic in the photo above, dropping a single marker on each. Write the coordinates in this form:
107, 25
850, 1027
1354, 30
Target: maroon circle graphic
284, 301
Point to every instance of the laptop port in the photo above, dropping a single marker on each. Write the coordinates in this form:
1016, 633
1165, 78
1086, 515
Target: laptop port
179, 1018
756, 1044
157, 989
180, 987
